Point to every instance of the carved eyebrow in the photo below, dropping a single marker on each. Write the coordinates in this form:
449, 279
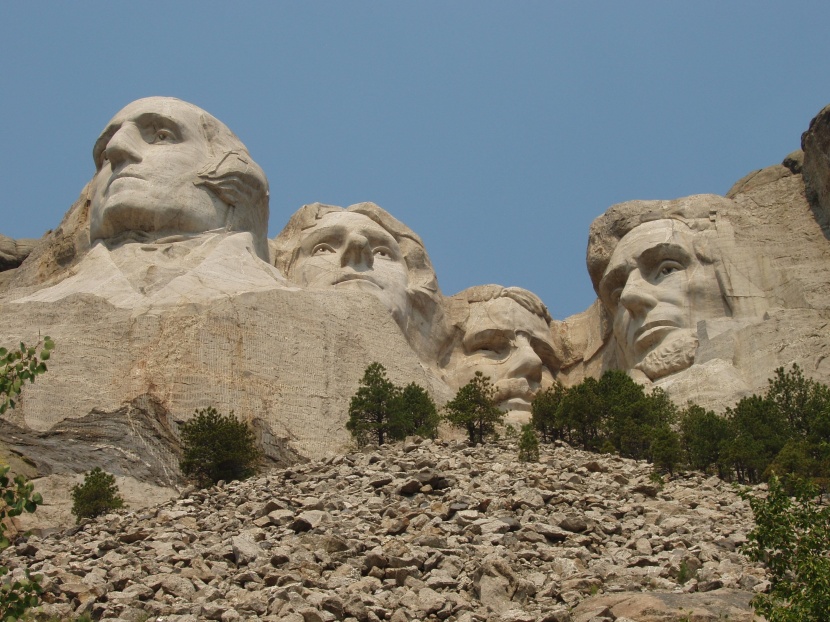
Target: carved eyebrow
143, 120
319, 235
667, 250
474, 340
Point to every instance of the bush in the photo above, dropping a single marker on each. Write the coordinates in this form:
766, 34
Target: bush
792, 537
474, 408
217, 447
528, 444
17, 495
97, 495
19, 365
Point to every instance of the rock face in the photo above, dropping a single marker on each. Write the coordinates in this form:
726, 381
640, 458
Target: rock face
415, 531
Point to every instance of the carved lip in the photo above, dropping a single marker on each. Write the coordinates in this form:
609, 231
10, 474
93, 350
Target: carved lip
346, 278
124, 175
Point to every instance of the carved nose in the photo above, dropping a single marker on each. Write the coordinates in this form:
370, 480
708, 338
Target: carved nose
524, 362
124, 146
357, 253
636, 295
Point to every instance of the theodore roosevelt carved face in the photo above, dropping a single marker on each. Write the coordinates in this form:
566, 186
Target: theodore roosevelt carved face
658, 286
506, 336
164, 166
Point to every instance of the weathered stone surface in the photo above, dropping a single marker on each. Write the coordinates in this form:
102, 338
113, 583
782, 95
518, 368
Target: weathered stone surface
14, 252
207, 554
723, 604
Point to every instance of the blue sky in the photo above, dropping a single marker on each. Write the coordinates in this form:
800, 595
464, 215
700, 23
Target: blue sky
495, 130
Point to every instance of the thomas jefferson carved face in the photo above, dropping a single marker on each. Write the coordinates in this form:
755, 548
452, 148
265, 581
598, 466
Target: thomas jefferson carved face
347, 250
511, 345
147, 161
658, 289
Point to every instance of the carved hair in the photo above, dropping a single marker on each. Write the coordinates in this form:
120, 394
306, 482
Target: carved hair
238, 181
423, 284
697, 212
527, 299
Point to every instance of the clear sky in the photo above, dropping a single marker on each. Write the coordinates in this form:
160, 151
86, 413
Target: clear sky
496, 130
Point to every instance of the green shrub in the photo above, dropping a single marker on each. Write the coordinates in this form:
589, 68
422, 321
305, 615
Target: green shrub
17, 495
97, 495
792, 537
528, 444
19, 365
217, 447
544, 410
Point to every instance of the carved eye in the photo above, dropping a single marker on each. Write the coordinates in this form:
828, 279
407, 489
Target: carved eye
667, 268
322, 249
163, 136
382, 251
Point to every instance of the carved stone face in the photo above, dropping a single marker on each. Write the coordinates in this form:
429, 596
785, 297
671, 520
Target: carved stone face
147, 160
345, 250
511, 345
658, 290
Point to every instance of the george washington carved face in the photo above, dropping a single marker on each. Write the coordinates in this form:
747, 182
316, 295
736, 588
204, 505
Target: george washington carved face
164, 166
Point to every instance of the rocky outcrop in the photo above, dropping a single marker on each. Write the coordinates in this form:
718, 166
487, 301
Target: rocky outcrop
14, 252
425, 530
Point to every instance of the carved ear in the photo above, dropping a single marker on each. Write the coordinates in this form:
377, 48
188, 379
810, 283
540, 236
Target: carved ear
233, 179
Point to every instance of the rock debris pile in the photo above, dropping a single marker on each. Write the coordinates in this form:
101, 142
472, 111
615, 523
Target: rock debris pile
431, 530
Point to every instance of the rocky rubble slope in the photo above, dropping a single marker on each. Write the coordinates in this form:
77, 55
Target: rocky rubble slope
431, 530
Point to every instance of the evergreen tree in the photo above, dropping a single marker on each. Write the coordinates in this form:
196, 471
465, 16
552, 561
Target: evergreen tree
581, 414
544, 412
528, 444
474, 409
758, 432
97, 495
217, 447
374, 410
414, 413
703, 434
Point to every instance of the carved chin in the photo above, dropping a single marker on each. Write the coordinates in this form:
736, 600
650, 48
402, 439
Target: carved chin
674, 354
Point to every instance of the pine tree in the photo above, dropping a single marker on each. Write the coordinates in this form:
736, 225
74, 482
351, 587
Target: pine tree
374, 408
474, 409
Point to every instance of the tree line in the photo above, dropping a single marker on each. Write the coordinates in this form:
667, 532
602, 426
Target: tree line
785, 431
